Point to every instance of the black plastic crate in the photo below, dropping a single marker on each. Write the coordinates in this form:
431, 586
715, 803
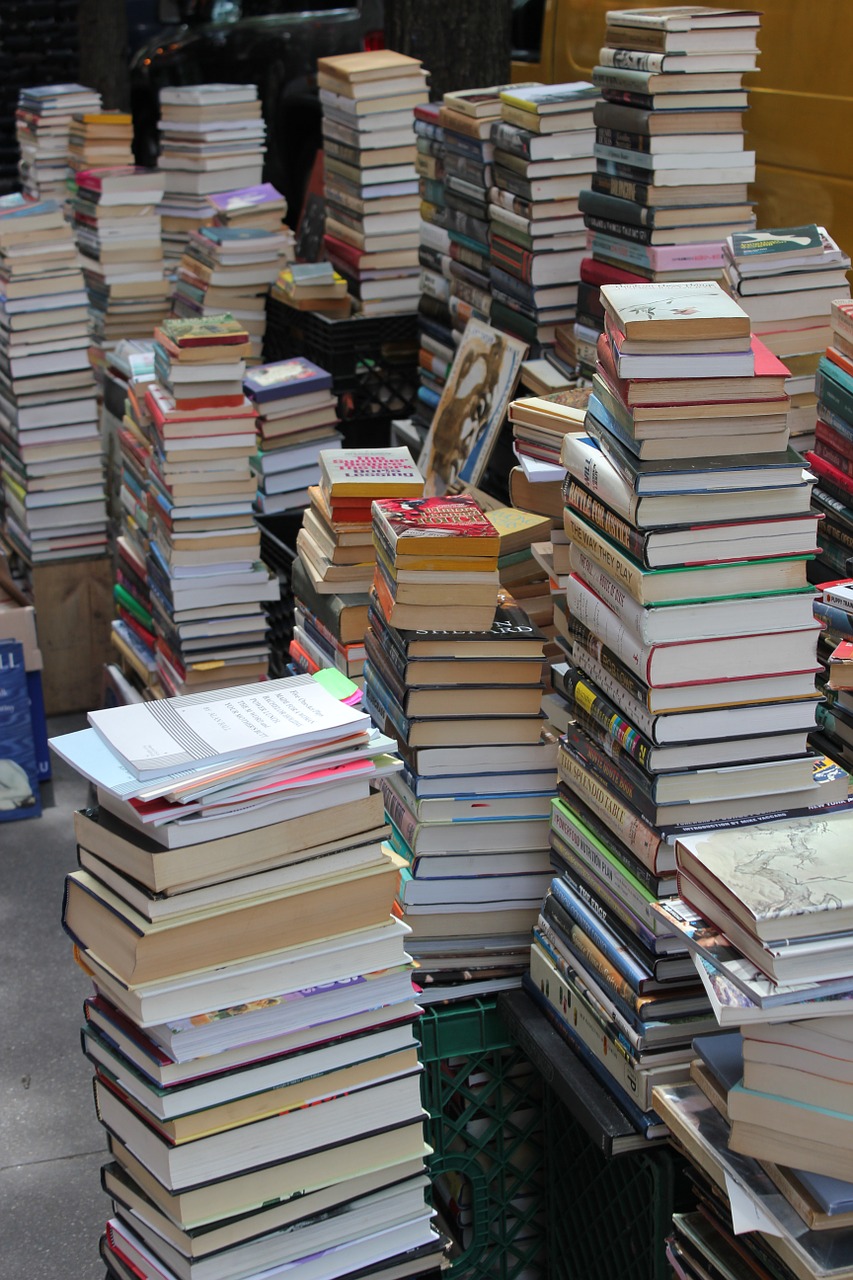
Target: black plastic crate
340, 346
278, 551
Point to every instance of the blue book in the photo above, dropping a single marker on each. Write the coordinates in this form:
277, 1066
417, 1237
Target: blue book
19, 781
294, 377
608, 944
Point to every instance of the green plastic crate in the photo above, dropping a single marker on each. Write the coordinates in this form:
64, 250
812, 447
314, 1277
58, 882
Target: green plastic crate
608, 1217
490, 1134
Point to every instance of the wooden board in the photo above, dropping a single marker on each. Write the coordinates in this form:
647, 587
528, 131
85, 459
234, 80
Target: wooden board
73, 601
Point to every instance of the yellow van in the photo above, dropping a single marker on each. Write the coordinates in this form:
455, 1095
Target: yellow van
800, 121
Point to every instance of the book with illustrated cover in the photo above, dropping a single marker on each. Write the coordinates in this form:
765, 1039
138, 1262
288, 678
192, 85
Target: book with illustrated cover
375, 473
805, 240
457, 521
682, 17
262, 196
546, 99
284, 378
19, 789
199, 331
690, 311
481, 102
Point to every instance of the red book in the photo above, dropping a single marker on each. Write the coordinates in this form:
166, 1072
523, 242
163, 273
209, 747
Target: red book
454, 525
599, 273
826, 471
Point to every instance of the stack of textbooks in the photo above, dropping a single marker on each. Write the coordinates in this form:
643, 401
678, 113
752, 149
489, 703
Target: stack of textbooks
833, 608
251, 1023
117, 228
542, 159
470, 812
436, 255
831, 459
786, 279
767, 1115
693, 643
297, 418
672, 173
335, 542
99, 139
53, 481
206, 581
43, 122
231, 269
370, 182
313, 286
211, 140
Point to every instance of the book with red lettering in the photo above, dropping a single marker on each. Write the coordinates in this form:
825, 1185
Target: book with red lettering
457, 522
369, 473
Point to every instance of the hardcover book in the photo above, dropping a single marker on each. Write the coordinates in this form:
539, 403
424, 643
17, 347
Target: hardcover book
19, 789
293, 377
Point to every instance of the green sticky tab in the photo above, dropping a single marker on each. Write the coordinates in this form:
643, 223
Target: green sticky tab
335, 683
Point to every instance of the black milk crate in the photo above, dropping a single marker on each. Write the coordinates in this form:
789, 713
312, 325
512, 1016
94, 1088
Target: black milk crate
278, 551
341, 346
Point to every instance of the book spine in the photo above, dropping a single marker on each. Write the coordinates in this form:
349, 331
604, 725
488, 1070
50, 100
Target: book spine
838, 424
830, 502
637, 191
587, 916
835, 618
834, 440
831, 392
623, 775
624, 1022
623, 571
588, 466
592, 704
609, 612
622, 859
642, 840
624, 140
513, 258
380, 698
608, 522
632, 60
622, 230
837, 531
508, 137
615, 878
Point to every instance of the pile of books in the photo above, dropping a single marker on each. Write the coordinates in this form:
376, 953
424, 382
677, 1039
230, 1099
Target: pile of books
370, 182
542, 159
436, 254
313, 286
53, 481
99, 139
231, 269
250, 1027
833, 608
693, 643
671, 173
470, 811
831, 459
335, 543
257, 208
117, 228
767, 1113
43, 122
297, 418
786, 279
211, 140
207, 583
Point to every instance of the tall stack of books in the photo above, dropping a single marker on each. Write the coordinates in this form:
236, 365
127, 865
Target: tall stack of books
53, 480
693, 644
43, 123
117, 229
767, 1114
831, 460
206, 580
297, 419
211, 140
470, 811
250, 1027
231, 269
98, 140
435, 254
370, 181
335, 543
543, 158
671, 170
786, 279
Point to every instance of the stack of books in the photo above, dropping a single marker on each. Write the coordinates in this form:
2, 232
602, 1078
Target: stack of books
297, 418
257, 208
99, 139
831, 460
470, 813
671, 173
786, 279
53, 481
436, 254
693, 643
211, 140
335, 542
543, 158
250, 1027
313, 286
833, 608
117, 229
43, 122
370, 182
207, 583
231, 269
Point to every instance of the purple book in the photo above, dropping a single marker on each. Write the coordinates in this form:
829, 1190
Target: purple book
246, 198
294, 377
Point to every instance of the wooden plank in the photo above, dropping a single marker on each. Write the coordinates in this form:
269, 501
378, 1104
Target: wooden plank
73, 601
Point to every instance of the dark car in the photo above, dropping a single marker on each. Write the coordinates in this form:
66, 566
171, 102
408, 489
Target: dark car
274, 44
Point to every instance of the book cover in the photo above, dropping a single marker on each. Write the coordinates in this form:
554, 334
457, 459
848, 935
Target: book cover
199, 331
684, 310
363, 473
263, 195
777, 240
545, 98
284, 378
19, 789
457, 520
